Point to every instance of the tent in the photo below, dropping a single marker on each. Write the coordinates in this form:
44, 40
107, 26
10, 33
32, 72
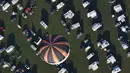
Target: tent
92, 14
111, 59
103, 44
55, 49
96, 26
116, 69
117, 8
69, 14
94, 66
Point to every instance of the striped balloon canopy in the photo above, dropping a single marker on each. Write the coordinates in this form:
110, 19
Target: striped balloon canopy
55, 49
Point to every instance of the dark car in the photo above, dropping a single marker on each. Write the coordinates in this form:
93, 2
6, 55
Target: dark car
53, 9
28, 34
13, 17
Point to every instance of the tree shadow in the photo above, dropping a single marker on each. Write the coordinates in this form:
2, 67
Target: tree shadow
11, 39
34, 69
44, 16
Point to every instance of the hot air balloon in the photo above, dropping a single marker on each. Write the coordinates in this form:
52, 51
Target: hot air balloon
55, 49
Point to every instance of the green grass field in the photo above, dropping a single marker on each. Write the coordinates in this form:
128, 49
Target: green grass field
78, 57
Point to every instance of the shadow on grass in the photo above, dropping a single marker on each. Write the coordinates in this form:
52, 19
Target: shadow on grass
18, 49
21, 2
119, 61
11, 39
93, 5
25, 27
20, 65
28, 4
106, 35
34, 69
2, 23
14, 8
112, 49
20, 20
2, 44
39, 32
33, 28
69, 66
14, 62
44, 16
77, 17
69, 6
95, 58
53, 8
27, 62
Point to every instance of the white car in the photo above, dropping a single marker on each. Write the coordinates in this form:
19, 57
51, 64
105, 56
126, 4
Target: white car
79, 35
1, 37
85, 4
5, 6
27, 67
75, 26
24, 15
60, 5
13, 68
10, 49
96, 26
14, 2
90, 56
19, 6
44, 24
33, 47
